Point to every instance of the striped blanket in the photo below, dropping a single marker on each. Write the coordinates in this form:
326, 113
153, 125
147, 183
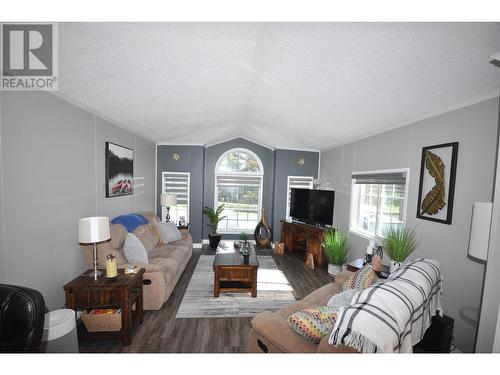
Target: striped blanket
392, 315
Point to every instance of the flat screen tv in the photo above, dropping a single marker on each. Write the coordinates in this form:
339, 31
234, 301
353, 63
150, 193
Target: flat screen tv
312, 206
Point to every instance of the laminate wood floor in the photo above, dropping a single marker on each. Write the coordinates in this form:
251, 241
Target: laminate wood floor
161, 332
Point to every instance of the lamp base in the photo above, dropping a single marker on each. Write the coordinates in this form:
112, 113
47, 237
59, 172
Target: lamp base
95, 274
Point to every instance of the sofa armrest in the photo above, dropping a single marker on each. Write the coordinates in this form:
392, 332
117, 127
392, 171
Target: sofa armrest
276, 331
155, 290
148, 268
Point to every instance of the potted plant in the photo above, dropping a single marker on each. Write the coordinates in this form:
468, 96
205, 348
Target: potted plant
335, 248
243, 239
399, 243
214, 216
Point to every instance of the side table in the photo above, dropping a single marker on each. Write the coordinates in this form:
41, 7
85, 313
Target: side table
121, 292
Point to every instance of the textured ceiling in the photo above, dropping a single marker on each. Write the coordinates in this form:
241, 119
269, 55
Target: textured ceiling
287, 85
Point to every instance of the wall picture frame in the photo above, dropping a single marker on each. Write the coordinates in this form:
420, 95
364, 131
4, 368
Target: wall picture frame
119, 170
436, 189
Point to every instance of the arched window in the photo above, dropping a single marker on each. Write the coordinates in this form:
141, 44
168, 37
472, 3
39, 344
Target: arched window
238, 185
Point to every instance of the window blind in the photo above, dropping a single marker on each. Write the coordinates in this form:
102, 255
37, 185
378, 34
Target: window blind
391, 178
177, 183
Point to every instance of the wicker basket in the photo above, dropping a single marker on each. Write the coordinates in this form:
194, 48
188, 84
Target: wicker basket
102, 322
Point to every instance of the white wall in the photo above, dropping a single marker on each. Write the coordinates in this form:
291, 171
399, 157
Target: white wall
53, 172
475, 128
3, 250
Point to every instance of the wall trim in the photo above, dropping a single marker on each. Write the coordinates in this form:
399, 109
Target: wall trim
471, 101
2, 199
197, 245
215, 143
180, 144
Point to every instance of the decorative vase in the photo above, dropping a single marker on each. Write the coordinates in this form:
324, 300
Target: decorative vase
394, 266
334, 269
263, 233
246, 258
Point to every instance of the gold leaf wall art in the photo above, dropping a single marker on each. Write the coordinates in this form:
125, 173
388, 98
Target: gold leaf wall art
436, 190
434, 200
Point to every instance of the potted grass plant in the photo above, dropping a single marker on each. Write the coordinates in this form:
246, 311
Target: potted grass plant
399, 243
214, 216
335, 249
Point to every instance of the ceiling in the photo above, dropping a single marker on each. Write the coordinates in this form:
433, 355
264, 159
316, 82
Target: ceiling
285, 85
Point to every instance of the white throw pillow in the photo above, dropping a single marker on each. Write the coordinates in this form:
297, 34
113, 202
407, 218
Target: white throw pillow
168, 232
342, 299
134, 250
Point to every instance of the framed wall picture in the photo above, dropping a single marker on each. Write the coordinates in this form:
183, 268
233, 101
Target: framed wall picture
119, 170
436, 188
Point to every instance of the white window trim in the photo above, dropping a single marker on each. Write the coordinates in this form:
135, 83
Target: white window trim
259, 174
287, 203
188, 174
355, 202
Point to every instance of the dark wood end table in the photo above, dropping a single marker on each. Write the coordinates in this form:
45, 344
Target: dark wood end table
231, 273
121, 292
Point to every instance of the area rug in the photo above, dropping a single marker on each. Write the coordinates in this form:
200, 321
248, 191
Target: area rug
273, 292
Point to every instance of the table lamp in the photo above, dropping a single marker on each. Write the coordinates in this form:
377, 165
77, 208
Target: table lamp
168, 200
92, 230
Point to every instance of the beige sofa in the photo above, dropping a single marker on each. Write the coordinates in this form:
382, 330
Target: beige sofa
166, 261
271, 333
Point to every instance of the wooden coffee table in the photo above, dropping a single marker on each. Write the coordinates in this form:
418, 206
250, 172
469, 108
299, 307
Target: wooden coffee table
231, 273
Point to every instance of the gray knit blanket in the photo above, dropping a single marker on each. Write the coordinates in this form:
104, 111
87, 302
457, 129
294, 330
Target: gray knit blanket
392, 315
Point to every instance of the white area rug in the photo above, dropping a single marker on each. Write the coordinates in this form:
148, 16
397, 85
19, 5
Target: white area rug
273, 292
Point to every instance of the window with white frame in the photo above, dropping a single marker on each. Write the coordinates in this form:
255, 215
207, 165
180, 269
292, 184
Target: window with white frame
177, 183
238, 185
297, 182
378, 201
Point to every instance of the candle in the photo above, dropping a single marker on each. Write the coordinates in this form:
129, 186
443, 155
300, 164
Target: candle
111, 268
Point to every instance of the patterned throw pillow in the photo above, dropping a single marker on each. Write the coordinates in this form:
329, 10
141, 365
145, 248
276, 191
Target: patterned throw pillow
314, 323
361, 279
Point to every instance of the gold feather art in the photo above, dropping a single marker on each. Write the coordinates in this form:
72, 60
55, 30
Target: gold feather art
434, 200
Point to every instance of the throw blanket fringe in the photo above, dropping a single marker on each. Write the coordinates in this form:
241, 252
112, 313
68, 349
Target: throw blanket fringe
356, 341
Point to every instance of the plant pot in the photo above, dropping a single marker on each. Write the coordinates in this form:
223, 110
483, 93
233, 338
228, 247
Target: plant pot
214, 240
394, 266
246, 259
334, 269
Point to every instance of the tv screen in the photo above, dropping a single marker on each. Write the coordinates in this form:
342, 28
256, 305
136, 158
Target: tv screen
312, 206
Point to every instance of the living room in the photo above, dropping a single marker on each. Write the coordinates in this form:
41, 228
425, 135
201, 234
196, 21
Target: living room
197, 170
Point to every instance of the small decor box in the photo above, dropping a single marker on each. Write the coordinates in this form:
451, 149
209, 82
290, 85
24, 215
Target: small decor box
102, 320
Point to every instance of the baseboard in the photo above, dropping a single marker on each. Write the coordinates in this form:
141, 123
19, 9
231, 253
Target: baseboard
196, 245
205, 242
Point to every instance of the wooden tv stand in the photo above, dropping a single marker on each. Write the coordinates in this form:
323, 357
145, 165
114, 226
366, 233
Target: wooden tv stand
304, 238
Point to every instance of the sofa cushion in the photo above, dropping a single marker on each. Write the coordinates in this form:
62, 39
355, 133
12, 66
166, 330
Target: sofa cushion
168, 232
361, 279
134, 250
148, 239
168, 266
314, 323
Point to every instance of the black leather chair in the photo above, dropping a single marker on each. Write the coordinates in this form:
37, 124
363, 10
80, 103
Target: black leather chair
22, 315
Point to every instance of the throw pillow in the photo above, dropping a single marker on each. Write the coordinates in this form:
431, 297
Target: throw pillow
342, 299
361, 279
134, 250
168, 232
314, 323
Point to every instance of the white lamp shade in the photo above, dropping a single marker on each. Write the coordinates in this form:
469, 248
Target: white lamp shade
93, 229
480, 230
168, 200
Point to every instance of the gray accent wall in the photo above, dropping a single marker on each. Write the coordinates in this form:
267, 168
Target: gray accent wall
52, 167
213, 153
476, 129
192, 161
287, 164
